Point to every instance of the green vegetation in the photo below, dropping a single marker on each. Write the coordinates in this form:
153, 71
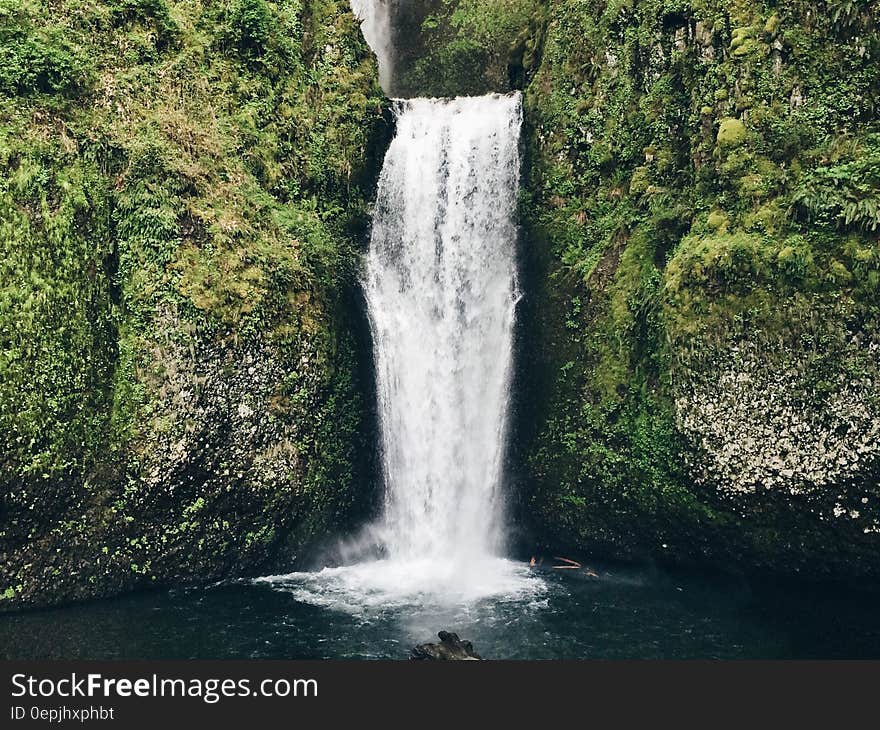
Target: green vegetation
468, 47
702, 178
180, 188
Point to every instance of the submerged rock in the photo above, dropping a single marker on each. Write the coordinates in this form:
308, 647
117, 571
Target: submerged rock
450, 648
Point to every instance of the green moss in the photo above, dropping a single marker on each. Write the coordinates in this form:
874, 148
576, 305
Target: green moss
479, 46
718, 221
38, 58
180, 186
679, 238
640, 180
731, 132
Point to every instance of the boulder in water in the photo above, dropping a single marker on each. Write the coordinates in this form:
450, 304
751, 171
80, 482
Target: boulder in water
450, 648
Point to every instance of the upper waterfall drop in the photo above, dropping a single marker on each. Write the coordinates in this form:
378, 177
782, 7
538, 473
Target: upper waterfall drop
375, 17
441, 290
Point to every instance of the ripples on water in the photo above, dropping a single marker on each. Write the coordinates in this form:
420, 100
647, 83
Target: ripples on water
621, 613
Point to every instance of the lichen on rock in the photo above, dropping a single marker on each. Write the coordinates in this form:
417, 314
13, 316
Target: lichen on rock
757, 422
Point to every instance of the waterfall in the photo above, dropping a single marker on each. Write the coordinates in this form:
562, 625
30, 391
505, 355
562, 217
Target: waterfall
441, 290
375, 17
440, 285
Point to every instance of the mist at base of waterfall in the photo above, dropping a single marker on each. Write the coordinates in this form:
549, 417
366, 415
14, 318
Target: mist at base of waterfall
425, 583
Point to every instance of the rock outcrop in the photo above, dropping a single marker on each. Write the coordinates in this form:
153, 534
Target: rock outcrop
182, 187
450, 648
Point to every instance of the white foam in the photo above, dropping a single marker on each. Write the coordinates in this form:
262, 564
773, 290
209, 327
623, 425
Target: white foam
375, 17
365, 588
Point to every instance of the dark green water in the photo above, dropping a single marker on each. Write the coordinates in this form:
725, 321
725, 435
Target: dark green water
621, 614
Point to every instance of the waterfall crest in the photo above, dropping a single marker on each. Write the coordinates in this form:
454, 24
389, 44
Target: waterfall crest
441, 290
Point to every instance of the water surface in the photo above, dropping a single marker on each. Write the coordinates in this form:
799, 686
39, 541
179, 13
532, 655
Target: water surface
622, 613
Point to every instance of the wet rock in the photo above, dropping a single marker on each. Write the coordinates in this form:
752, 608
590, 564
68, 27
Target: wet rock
752, 423
450, 648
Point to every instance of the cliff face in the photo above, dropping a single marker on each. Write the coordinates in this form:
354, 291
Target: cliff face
703, 212
182, 188
463, 47
700, 340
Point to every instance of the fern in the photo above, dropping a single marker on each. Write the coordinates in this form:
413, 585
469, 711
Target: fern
845, 195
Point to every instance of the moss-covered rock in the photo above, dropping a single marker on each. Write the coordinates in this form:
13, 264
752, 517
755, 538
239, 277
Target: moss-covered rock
702, 259
181, 189
731, 132
465, 47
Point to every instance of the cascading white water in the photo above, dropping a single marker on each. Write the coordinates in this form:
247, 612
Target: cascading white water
440, 283
441, 290
375, 17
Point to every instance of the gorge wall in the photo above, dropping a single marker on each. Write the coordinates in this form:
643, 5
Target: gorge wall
183, 192
184, 187
705, 204
701, 222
